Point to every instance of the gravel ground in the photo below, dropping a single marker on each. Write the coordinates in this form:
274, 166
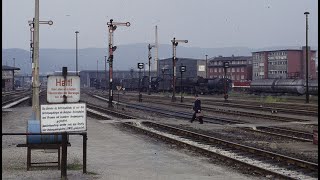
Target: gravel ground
302, 150
112, 154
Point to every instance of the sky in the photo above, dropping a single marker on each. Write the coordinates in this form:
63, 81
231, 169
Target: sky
204, 23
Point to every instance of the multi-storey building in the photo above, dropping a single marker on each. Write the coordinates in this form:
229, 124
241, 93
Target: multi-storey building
240, 67
288, 63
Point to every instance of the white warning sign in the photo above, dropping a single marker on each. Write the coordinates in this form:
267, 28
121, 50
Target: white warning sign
63, 117
58, 86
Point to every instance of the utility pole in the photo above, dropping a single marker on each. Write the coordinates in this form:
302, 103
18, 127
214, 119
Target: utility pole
149, 57
174, 59
112, 27
35, 62
307, 65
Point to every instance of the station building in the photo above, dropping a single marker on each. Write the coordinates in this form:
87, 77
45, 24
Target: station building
8, 78
240, 68
286, 64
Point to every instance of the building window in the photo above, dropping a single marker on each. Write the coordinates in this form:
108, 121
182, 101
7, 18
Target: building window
215, 69
232, 69
228, 69
242, 76
218, 69
237, 77
242, 69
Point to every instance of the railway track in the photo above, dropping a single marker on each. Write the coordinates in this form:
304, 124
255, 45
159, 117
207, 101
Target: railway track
261, 161
282, 132
274, 131
305, 110
230, 112
175, 114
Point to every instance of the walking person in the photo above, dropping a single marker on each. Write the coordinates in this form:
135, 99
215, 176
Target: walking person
197, 110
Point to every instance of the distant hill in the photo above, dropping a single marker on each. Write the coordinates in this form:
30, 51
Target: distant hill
125, 57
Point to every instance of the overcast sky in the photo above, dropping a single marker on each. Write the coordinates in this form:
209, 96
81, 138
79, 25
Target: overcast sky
205, 23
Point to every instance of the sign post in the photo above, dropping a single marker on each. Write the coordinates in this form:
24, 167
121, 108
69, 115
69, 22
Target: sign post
182, 70
225, 66
119, 89
140, 66
67, 114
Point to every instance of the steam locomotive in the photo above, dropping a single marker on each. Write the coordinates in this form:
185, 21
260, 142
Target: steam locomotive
198, 85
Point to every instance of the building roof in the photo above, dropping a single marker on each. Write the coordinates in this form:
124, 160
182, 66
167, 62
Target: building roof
9, 68
281, 50
181, 58
221, 58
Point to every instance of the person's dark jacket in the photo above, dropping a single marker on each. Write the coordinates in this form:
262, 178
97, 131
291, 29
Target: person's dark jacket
197, 105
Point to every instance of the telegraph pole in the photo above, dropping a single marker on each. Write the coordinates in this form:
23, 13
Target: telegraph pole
112, 27
307, 65
174, 59
149, 57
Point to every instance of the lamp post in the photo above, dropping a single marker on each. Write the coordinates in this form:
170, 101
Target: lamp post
206, 66
77, 52
174, 59
112, 27
97, 74
307, 52
182, 70
149, 57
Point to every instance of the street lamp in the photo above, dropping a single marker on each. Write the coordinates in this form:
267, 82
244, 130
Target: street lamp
77, 52
307, 52
149, 57
112, 27
182, 70
174, 59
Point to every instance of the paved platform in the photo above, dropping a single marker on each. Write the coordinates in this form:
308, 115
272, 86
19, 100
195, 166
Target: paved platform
112, 154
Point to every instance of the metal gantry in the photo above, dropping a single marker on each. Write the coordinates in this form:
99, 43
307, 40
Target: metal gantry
112, 27
174, 59
149, 63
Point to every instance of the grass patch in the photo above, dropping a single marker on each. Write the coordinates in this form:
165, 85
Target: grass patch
92, 173
75, 165
273, 99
